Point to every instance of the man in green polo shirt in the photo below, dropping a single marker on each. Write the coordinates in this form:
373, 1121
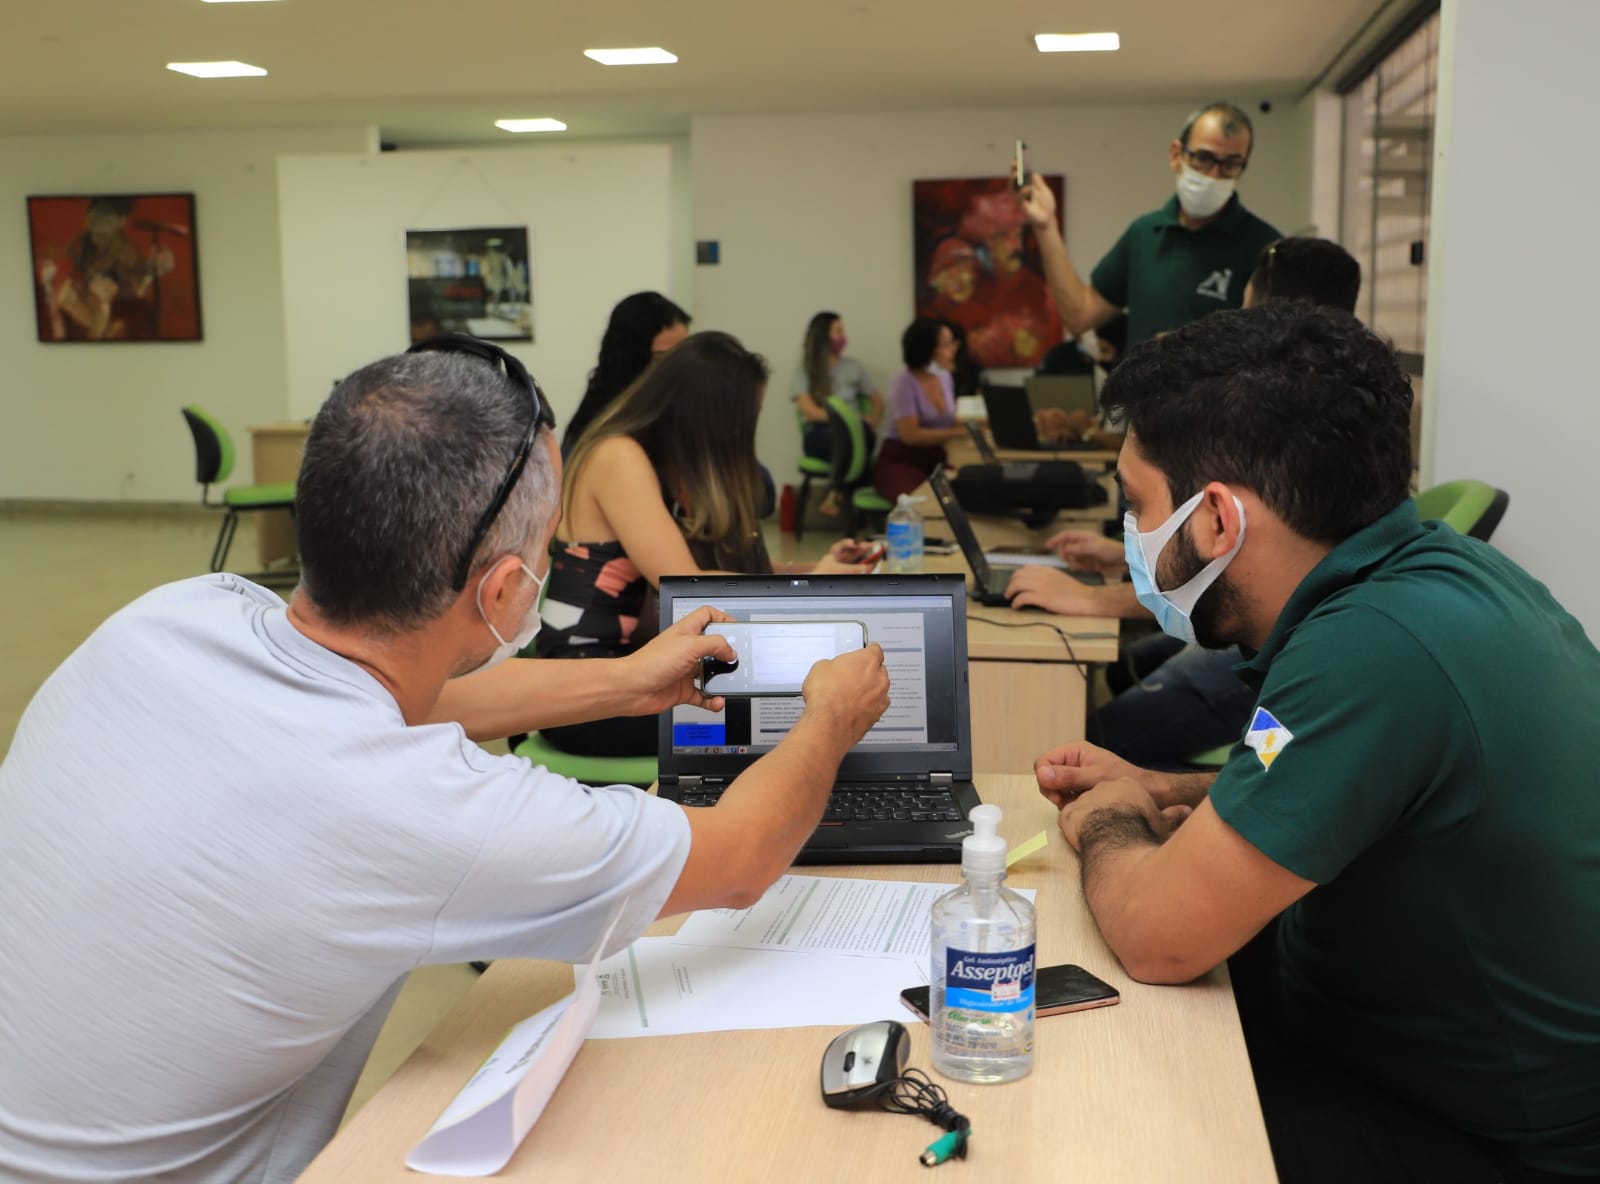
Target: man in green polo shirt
1176, 264
1415, 793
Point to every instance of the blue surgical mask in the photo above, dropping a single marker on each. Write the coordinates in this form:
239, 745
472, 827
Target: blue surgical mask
525, 635
1171, 608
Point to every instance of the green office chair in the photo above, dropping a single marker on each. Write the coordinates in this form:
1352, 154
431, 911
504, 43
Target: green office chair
852, 458
1474, 508
810, 467
591, 770
213, 464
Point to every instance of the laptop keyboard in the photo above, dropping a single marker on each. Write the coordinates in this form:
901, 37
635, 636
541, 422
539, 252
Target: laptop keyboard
866, 803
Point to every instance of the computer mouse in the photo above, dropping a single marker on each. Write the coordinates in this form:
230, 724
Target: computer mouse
859, 1064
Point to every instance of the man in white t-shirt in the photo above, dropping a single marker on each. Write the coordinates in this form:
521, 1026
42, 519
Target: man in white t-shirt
229, 828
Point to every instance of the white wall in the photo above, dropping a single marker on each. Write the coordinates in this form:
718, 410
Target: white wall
600, 222
814, 211
100, 422
1509, 394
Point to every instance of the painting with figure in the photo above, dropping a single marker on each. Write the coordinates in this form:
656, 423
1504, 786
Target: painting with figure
115, 267
476, 281
977, 265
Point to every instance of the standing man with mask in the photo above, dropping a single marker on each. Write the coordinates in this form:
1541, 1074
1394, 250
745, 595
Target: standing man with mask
209, 909
1176, 264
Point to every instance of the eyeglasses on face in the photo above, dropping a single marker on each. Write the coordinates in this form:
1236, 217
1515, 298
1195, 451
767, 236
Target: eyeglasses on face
1214, 165
463, 343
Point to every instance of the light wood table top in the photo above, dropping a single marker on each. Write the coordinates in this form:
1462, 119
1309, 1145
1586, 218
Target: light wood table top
1157, 1088
963, 451
1029, 635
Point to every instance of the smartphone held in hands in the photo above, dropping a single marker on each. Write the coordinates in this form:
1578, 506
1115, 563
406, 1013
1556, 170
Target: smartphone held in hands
774, 657
1019, 166
1055, 989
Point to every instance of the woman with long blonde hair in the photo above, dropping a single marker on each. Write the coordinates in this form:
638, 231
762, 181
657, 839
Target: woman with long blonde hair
663, 482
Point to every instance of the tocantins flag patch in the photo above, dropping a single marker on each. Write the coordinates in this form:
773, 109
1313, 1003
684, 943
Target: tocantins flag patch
1267, 736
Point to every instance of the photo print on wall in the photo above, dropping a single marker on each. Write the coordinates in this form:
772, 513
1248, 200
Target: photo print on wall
477, 281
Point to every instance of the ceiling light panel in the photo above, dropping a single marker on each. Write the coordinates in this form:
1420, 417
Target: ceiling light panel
1077, 42
650, 55
530, 125
217, 69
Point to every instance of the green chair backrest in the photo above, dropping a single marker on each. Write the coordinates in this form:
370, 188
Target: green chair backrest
1464, 505
211, 440
855, 433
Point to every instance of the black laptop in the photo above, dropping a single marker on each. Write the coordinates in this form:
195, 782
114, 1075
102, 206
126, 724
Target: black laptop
1011, 418
904, 793
989, 582
981, 442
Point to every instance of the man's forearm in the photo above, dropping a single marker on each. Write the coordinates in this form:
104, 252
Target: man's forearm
1114, 844
1181, 789
779, 800
1066, 285
525, 695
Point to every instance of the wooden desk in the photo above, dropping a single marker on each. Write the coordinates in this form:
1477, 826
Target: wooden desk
1155, 1089
1029, 684
275, 451
963, 451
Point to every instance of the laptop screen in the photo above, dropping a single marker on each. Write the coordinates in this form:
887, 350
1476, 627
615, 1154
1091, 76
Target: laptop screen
920, 621
961, 528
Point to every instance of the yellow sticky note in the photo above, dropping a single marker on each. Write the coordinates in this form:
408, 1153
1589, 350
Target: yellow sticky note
1025, 849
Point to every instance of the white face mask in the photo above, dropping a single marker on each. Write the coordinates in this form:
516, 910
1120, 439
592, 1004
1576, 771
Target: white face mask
529, 630
1200, 195
1172, 608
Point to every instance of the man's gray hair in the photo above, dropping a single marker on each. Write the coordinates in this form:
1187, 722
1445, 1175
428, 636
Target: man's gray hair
402, 460
1234, 121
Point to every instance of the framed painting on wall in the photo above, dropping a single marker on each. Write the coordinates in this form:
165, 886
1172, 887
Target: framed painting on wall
474, 281
115, 267
977, 266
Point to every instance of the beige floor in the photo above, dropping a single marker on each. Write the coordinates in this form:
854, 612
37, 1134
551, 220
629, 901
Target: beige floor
67, 570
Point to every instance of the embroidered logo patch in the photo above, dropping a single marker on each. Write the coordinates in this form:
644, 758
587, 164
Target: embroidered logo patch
1267, 736
1216, 284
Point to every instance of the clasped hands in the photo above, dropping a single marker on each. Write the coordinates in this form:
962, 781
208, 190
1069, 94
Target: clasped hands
1081, 778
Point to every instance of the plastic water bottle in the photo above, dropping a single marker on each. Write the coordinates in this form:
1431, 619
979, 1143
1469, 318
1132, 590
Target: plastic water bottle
905, 537
981, 1010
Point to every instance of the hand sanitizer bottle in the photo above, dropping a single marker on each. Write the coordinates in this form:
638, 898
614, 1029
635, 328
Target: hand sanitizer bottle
981, 1009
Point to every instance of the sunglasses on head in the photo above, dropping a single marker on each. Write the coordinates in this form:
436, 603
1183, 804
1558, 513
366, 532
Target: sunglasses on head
540, 413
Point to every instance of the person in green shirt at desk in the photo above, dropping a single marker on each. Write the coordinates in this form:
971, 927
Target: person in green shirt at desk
1414, 793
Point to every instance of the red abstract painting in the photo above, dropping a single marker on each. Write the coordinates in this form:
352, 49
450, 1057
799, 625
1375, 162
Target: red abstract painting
115, 267
977, 265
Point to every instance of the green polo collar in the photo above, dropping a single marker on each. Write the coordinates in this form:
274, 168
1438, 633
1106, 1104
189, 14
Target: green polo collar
1348, 563
1230, 221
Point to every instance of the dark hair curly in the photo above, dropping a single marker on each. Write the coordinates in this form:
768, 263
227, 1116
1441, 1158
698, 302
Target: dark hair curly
919, 341
1311, 269
1303, 405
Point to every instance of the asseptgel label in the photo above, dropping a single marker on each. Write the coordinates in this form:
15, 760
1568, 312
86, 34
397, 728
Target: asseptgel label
1000, 981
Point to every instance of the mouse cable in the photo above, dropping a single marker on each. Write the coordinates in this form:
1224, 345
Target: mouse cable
1066, 638
913, 1092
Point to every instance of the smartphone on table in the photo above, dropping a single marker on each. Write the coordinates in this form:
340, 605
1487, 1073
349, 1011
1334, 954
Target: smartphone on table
1055, 989
774, 657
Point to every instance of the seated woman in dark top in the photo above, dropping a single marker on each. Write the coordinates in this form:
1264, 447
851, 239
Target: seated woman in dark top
664, 482
642, 328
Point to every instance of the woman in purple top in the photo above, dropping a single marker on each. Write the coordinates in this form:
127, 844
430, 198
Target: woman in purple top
922, 410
